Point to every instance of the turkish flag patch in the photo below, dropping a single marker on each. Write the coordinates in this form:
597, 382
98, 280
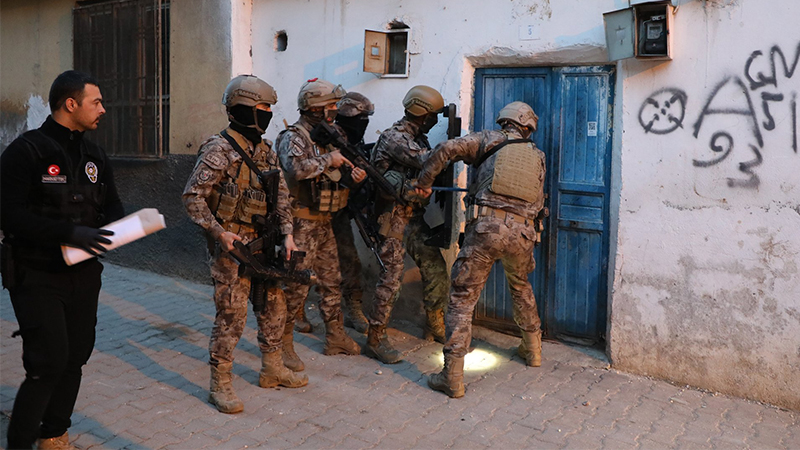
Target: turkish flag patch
53, 170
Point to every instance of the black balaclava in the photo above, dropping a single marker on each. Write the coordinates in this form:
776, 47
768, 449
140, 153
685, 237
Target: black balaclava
250, 121
429, 122
354, 127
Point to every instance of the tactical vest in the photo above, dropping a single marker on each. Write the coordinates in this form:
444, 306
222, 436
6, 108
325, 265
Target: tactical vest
322, 193
78, 200
516, 173
236, 200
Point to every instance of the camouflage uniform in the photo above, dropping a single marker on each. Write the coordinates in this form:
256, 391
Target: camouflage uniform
218, 163
403, 148
302, 160
504, 231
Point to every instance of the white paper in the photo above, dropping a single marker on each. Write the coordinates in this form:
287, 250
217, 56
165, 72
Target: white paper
591, 129
126, 230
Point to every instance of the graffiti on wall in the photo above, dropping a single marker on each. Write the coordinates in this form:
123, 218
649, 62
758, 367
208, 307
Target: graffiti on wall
766, 80
663, 111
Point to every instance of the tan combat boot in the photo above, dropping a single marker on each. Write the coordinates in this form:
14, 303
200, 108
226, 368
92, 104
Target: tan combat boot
301, 323
55, 443
378, 347
290, 358
451, 379
531, 348
353, 315
222, 394
274, 373
337, 341
434, 326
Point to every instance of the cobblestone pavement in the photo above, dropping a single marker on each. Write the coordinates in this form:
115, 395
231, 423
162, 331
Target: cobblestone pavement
145, 387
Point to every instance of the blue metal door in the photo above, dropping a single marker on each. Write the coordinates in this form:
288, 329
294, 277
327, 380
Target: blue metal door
570, 280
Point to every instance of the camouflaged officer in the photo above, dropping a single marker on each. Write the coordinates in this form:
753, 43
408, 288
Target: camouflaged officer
353, 114
221, 196
504, 203
353, 117
399, 154
318, 188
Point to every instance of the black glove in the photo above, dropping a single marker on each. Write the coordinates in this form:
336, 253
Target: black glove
89, 239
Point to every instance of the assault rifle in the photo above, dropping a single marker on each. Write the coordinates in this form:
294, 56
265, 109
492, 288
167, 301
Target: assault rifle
324, 134
368, 233
260, 259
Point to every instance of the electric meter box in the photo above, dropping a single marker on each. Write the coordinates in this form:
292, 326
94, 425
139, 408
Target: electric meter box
643, 31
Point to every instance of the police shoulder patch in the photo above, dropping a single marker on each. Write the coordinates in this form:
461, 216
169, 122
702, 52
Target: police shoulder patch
296, 149
215, 160
204, 175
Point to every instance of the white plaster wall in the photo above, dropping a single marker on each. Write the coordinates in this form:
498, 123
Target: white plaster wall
448, 39
241, 37
706, 287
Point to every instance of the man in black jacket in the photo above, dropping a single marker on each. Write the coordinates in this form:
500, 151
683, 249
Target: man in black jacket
55, 188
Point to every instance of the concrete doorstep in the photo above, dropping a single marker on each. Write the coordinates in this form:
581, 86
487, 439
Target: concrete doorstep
146, 387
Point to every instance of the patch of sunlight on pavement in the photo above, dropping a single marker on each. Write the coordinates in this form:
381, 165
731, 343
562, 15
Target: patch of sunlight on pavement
476, 360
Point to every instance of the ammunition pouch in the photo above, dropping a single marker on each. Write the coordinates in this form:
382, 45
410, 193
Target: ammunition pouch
332, 197
397, 179
228, 198
254, 202
322, 194
235, 201
7, 267
385, 226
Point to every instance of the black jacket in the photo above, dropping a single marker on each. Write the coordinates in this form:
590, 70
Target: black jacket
52, 179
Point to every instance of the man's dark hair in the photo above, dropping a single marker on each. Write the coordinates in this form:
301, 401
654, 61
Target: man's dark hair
69, 84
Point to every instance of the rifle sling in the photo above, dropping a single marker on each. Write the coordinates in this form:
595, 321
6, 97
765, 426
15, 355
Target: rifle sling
498, 148
247, 159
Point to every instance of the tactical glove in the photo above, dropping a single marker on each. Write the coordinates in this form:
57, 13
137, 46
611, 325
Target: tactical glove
90, 239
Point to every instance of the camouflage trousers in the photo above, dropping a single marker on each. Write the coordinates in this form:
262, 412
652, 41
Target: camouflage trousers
230, 298
315, 237
349, 262
489, 239
432, 267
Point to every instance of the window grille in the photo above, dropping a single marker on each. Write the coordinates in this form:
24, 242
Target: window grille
124, 44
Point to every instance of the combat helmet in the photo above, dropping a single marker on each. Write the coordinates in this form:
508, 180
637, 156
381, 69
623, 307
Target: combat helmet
421, 100
519, 113
248, 90
354, 104
318, 93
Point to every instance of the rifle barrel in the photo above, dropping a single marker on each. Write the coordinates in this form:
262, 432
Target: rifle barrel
448, 189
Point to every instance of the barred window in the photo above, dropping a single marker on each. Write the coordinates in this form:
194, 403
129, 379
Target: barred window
124, 44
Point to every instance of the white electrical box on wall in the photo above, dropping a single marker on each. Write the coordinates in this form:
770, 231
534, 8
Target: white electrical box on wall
643, 31
386, 52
